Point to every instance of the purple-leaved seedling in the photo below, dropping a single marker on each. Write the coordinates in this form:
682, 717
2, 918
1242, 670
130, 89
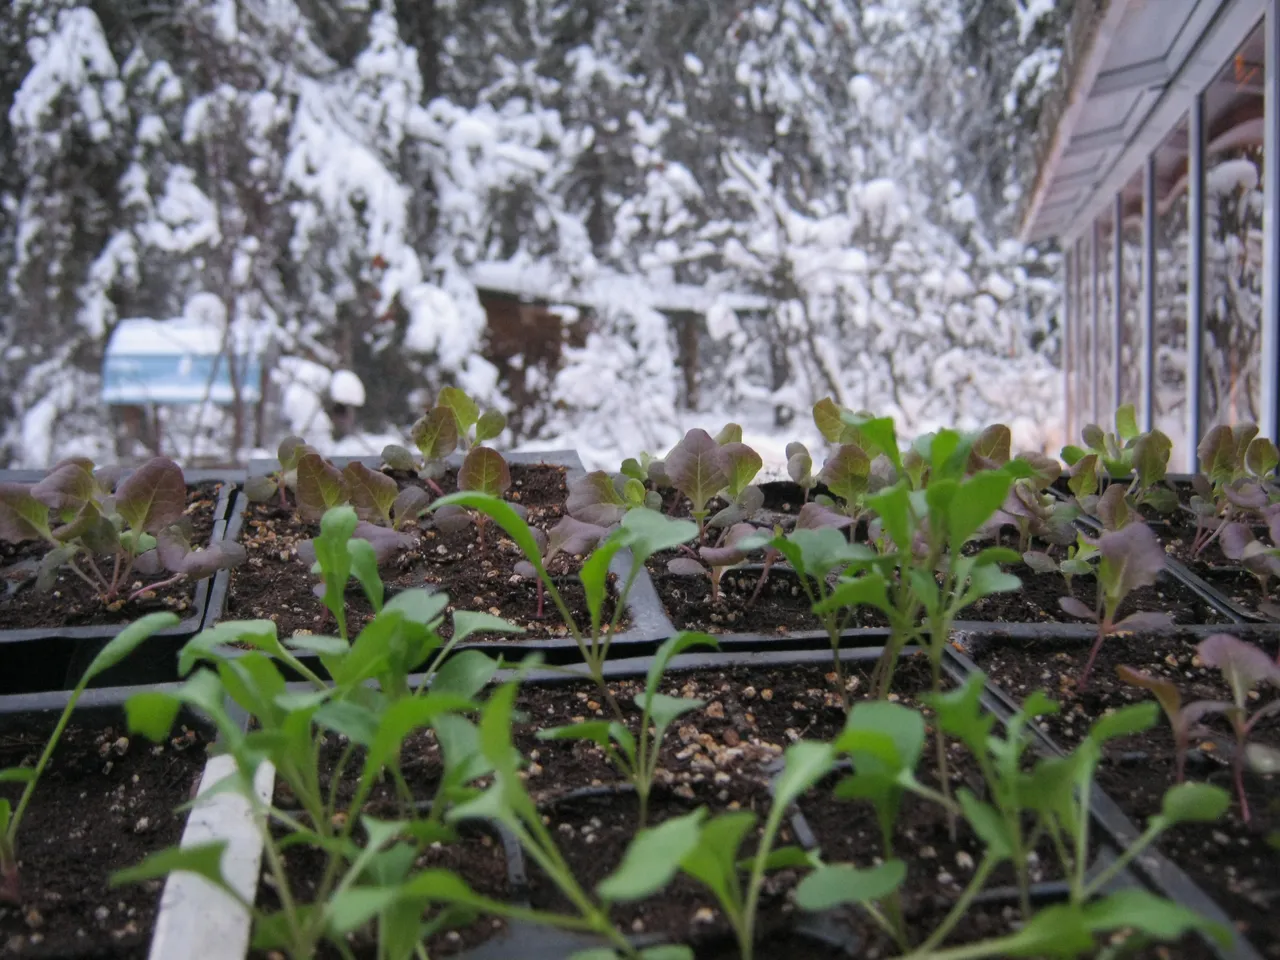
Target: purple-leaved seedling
1244, 668
1184, 720
1128, 558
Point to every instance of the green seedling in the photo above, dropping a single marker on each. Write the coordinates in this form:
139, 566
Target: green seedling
119, 647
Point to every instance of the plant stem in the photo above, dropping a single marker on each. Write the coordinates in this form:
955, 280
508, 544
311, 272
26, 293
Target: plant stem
1237, 774
1126, 856
1093, 655
151, 588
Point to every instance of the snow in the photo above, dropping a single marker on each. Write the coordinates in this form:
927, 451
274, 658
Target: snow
1229, 175
432, 317
346, 388
693, 64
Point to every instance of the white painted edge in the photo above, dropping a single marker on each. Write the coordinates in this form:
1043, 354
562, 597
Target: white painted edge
197, 921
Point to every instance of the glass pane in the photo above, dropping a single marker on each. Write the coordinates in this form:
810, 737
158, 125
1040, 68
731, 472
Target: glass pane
1105, 414
1131, 345
1069, 361
1084, 377
1171, 240
1230, 387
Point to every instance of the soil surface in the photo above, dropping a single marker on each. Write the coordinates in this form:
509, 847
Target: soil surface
104, 803
475, 571
71, 601
1233, 862
782, 606
1037, 601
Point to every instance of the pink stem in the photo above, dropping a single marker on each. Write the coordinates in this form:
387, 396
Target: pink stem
435, 486
1237, 764
151, 588
541, 591
769, 557
1088, 667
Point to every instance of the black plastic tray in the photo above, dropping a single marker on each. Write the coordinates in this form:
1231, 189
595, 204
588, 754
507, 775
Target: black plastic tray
51, 658
1158, 871
546, 944
648, 625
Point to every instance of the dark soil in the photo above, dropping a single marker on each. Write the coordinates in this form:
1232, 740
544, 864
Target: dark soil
276, 585
104, 803
1234, 863
71, 602
1037, 601
781, 608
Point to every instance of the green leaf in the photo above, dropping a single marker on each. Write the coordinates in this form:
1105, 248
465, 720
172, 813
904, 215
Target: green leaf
646, 532
1084, 476
985, 581
664, 709
1194, 803
484, 471
364, 564
1150, 914
805, 763
823, 551
17, 775
152, 713
357, 723
653, 858
826, 417
959, 712
893, 506
127, 640
783, 858
1261, 457
740, 464
713, 862
1151, 457
1124, 722
842, 883
349, 910
987, 824
436, 434
901, 726
153, 497
465, 410
976, 501
1126, 422
490, 425
1057, 931
868, 590
465, 674
402, 717
880, 434
594, 574
317, 643
667, 951
204, 860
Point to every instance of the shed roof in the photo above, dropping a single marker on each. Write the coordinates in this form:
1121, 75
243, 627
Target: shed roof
179, 361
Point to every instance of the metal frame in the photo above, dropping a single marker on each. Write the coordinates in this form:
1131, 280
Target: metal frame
1269, 414
1117, 299
1068, 331
1094, 321
1147, 412
1195, 273
1084, 323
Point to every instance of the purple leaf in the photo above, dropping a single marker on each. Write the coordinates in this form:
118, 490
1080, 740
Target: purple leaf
221, 555
108, 478
1243, 665
1217, 454
385, 541
172, 549
815, 516
1131, 558
69, 485
320, 486
1234, 538
1165, 690
307, 552
409, 504
290, 449
595, 499
1039, 562
991, 449
1044, 469
153, 496
148, 564
729, 553
1145, 620
525, 569
451, 519
686, 567
847, 472
1076, 608
799, 464
573, 537
696, 468
1112, 508
1247, 494
371, 492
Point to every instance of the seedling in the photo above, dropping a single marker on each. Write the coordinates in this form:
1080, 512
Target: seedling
1263, 561
288, 730
262, 489
1184, 721
1245, 668
637, 757
800, 467
76, 511
123, 644
644, 532
567, 536
713, 561
1077, 563
1128, 559
455, 421
701, 468
603, 500
1235, 479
